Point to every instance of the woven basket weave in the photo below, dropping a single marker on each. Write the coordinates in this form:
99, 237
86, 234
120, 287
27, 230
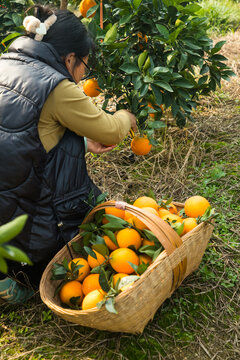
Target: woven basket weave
136, 305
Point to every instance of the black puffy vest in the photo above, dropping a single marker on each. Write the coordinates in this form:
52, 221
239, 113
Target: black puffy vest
52, 188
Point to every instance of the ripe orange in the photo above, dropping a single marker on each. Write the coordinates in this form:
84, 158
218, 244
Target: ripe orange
83, 271
127, 237
90, 283
151, 210
140, 145
162, 212
127, 215
145, 259
170, 207
137, 223
91, 87
69, 290
95, 262
172, 218
152, 115
85, 5
196, 206
148, 242
189, 224
115, 211
118, 276
92, 298
140, 36
119, 259
145, 201
109, 243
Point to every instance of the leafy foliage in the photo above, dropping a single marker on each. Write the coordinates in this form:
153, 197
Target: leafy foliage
155, 52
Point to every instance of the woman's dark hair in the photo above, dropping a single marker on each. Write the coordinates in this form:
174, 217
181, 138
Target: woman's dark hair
67, 34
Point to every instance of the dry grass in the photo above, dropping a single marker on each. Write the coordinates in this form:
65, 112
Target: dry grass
201, 320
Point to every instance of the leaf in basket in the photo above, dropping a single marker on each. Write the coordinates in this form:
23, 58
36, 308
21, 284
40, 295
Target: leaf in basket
98, 217
77, 248
101, 249
111, 235
147, 249
151, 194
135, 267
208, 215
88, 227
74, 302
65, 264
157, 252
109, 305
101, 198
178, 227
87, 238
182, 213
114, 220
59, 272
150, 236
127, 280
164, 204
98, 240
90, 252
97, 269
103, 280
100, 304
58, 288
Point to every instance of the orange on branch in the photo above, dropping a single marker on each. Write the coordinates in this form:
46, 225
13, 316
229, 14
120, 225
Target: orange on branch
70, 290
140, 145
91, 87
129, 237
84, 270
92, 298
196, 206
85, 5
119, 260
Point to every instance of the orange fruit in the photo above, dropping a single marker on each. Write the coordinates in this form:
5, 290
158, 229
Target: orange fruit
172, 218
90, 283
69, 290
91, 87
148, 242
196, 206
85, 5
189, 224
145, 259
83, 271
145, 201
140, 145
152, 115
137, 223
115, 211
110, 244
95, 262
151, 210
162, 212
127, 215
140, 36
92, 298
119, 260
127, 237
170, 207
118, 276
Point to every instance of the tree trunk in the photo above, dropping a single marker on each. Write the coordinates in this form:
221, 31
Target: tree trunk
63, 4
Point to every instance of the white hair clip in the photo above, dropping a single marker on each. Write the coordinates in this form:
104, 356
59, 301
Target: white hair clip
35, 26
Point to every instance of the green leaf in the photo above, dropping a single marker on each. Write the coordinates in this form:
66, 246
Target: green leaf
111, 35
58, 272
101, 249
141, 59
17, 19
103, 280
157, 252
163, 31
125, 19
217, 47
114, 220
183, 83
101, 198
12, 229
164, 85
15, 254
92, 10
90, 252
109, 305
77, 247
183, 60
3, 265
127, 280
157, 124
136, 4
191, 8
142, 268
129, 68
158, 95
111, 235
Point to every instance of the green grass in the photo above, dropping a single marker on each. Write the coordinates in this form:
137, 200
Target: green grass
222, 15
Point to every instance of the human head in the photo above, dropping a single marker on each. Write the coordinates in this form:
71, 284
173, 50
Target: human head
67, 35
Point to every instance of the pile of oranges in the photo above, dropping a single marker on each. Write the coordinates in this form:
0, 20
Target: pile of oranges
125, 249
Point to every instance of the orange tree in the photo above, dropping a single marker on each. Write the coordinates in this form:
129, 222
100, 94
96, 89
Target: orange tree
155, 52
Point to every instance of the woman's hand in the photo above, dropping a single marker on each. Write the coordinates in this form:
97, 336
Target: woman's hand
97, 148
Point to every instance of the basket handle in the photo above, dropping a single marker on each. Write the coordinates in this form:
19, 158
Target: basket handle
168, 237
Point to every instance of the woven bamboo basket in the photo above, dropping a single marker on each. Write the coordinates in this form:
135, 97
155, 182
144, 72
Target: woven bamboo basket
136, 305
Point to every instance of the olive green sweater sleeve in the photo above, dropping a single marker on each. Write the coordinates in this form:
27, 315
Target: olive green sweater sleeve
68, 107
